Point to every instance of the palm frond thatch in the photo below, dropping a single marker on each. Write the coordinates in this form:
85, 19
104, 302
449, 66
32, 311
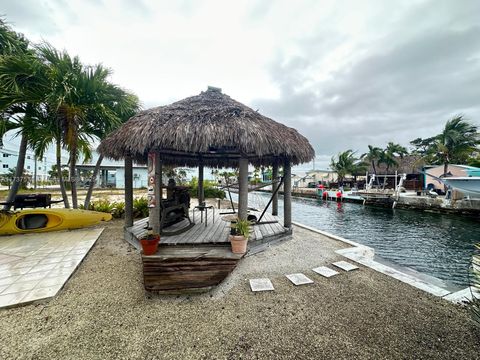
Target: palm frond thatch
212, 127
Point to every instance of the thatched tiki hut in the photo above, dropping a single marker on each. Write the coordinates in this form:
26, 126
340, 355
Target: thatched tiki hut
209, 129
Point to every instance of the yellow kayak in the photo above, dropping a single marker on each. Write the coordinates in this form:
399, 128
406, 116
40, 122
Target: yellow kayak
43, 220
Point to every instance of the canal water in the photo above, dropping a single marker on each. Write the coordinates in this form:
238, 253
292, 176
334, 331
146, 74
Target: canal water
435, 244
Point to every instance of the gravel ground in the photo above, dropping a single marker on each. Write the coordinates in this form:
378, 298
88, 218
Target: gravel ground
103, 313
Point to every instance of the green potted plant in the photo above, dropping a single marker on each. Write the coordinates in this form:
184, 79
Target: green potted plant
150, 242
239, 234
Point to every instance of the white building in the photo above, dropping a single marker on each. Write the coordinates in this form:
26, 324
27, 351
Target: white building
9, 157
112, 173
313, 177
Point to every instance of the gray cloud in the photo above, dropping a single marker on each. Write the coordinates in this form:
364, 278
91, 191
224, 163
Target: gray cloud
38, 16
405, 85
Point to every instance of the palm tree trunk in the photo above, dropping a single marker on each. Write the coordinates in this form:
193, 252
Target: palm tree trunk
445, 171
22, 152
60, 176
92, 182
73, 176
375, 172
385, 178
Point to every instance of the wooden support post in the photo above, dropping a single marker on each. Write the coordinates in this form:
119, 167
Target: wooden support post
154, 212
128, 191
243, 188
158, 189
287, 194
200, 192
274, 186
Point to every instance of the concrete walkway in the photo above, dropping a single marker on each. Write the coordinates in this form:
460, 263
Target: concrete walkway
36, 266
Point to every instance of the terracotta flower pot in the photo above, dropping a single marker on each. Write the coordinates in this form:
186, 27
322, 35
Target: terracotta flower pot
150, 246
239, 244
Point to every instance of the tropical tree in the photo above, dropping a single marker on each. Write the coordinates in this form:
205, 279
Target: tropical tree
10, 178
51, 97
47, 133
372, 157
389, 156
11, 42
456, 142
345, 163
53, 172
359, 168
85, 104
21, 78
121, 106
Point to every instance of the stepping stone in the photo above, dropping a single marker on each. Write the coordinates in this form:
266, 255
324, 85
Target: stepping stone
299, 279
325, 271
345, 265
261, 285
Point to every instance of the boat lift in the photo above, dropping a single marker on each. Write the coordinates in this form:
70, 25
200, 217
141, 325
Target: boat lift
382, 194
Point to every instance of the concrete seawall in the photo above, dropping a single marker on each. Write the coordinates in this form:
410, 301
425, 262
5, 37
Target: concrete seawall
469, 207
440, 204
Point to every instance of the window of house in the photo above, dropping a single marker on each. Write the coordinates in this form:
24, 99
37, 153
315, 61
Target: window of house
5, 155
28, 157
5, 166
28, 167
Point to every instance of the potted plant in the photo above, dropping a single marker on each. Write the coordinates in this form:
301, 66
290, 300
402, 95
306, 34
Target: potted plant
239, 234
150, 242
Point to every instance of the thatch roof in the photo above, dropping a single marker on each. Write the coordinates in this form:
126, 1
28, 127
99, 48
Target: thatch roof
409, 164
212, 127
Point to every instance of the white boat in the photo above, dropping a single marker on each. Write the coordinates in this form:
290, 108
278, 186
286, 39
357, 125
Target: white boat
469, 185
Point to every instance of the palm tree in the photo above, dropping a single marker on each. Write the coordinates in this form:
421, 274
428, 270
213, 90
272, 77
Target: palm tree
458, 139
121, 107
344, 164
359, 168
85, 103
11, 42
373, 155
389, 157
48, 132
22, 79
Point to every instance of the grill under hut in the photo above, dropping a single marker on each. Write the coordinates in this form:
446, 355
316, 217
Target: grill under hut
210, 129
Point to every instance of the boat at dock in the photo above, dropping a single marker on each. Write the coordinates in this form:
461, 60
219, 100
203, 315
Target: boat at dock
469, 185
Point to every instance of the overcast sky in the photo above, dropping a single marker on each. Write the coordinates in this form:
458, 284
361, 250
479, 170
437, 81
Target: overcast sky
344, 73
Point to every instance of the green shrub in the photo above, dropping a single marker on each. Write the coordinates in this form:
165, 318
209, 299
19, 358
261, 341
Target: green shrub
243, 228
209, 189
117, 209
102, 206
140, 207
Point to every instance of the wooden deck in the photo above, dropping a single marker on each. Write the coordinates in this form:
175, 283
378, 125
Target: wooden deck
216, 232
201, 257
